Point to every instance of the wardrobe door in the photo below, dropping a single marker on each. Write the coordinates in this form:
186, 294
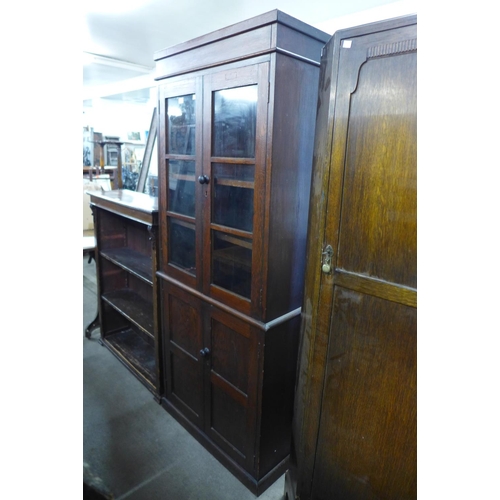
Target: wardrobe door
367, 429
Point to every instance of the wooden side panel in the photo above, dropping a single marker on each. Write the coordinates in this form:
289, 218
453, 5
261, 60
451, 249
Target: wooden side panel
280, 361
296, 42
295, 99
367, 445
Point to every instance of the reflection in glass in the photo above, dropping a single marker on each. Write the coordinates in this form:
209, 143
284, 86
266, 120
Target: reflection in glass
181, 186
151, 184
232, 263
234, 115
233, 195
181, 245
181, 125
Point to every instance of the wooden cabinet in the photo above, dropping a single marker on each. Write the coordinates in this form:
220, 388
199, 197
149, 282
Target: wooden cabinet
236, 129
126, 225
354, 426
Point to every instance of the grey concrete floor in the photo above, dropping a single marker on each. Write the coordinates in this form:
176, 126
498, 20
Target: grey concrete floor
136, 449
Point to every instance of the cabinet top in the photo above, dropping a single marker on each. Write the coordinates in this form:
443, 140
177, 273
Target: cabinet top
272, 31
127, 198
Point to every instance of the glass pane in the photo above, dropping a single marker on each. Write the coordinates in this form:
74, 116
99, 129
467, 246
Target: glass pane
234, 115
181, 187
181, 125
233, 195
151, 184
181, 245
232, 263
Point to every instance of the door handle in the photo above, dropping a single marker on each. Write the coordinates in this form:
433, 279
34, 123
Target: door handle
205, 352
326, 265
203, 179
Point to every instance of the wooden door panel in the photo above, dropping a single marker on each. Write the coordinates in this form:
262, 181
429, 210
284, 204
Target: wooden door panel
367, 443
361, 421
184, 371
378, 235
231, 384
230, 354
184, 322
228, 421
186, 390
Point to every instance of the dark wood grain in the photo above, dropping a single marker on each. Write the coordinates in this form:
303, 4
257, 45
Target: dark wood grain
241, 297
133, 307
135, 352
293, 136
379, 238
367, 445
126, 264
134, 262
361, 316
182, 343
262, 34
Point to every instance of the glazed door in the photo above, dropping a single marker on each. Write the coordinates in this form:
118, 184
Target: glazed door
233, 183
367, 431
181, 150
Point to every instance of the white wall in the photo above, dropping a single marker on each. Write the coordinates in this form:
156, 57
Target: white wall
388, 11
119, 117
116, 117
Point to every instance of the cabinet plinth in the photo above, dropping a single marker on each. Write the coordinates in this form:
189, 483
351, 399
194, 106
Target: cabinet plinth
236, 128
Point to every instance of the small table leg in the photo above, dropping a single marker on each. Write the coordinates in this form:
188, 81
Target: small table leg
92, 326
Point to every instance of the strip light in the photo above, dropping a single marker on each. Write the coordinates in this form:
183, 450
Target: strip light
89, 58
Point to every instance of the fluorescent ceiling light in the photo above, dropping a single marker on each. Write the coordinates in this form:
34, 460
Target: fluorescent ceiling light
89, 58
113, 6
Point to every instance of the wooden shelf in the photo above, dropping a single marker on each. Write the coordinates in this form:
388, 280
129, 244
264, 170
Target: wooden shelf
126, 225
234, 240
182, 177
234, 183
132, 261
133, 307
135, 351
236, 255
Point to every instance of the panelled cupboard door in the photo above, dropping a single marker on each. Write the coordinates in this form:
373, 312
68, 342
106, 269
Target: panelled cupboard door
364, 416
182, 347
212, 363
231, 370
214, 142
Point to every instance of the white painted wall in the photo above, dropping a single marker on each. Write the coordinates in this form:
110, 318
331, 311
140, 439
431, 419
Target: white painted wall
388, 11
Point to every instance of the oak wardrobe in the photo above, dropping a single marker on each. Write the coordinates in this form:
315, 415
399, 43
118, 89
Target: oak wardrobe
354, 426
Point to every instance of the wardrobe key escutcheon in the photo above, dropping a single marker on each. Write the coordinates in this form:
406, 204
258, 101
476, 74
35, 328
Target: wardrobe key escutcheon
327, 260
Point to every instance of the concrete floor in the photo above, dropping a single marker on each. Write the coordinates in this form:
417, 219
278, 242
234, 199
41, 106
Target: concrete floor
131, 444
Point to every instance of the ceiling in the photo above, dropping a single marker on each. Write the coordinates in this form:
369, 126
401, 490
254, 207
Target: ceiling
125, 34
